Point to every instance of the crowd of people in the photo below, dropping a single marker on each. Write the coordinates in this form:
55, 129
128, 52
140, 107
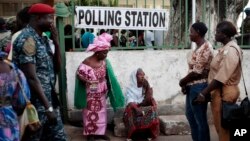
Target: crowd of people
36, 60
122, 38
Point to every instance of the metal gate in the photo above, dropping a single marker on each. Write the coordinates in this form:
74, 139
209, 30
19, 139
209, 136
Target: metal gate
176, 36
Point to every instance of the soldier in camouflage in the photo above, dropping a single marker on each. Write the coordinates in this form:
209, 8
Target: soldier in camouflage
34, 56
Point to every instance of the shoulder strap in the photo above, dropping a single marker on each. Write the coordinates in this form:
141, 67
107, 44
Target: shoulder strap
241, 70
21, 86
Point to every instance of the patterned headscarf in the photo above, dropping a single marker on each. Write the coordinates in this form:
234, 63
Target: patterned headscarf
101, 43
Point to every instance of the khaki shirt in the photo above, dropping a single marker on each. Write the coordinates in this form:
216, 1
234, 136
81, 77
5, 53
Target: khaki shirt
225, 66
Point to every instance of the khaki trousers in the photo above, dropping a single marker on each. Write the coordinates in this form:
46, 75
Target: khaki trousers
230, 94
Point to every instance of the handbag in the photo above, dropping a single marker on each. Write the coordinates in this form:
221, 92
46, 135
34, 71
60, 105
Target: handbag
29, 118
234, 115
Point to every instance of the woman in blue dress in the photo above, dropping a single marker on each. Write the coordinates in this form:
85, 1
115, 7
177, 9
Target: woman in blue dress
10, 99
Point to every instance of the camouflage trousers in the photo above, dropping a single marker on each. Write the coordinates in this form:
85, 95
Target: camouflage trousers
48, 132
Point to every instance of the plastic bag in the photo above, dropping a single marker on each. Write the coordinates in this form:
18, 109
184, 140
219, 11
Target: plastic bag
29, 119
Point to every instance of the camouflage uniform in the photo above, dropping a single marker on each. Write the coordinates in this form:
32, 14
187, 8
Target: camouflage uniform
29, 47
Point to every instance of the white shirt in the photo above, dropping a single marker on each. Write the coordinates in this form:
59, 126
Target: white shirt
148, 38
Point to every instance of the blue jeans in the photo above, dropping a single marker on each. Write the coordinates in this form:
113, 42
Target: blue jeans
197, 114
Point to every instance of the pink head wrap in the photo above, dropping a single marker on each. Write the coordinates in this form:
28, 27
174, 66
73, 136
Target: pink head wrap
100, 43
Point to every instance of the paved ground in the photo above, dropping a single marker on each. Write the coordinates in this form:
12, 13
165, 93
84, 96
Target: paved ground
75, 134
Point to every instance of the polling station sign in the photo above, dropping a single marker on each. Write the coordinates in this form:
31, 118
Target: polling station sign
120, 18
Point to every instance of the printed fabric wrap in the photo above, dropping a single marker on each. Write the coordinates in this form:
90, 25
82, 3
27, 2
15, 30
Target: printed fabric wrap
115, 93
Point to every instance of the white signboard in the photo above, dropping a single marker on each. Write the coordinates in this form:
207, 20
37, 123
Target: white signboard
121, 18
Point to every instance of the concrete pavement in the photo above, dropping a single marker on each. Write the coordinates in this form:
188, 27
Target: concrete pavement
75, 134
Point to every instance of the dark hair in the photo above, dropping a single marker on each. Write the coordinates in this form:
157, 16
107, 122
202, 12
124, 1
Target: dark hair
200, 28
68, 29
247, 11
24, 16
123, 31
102, 31
2, 23
227, 28
82, 31
89, 30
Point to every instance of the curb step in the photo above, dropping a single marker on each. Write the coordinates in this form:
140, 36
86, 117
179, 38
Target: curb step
169, 125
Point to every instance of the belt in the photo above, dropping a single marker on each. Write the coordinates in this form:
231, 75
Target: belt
196, 82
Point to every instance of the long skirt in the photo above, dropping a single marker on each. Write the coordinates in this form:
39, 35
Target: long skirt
135, 122
95, 115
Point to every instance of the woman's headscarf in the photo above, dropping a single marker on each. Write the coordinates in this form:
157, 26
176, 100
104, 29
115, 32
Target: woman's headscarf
133, 93
101, 43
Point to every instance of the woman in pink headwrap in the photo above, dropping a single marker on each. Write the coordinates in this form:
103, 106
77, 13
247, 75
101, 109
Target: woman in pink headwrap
98, 78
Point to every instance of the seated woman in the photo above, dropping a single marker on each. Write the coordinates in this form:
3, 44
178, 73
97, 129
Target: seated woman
140, 113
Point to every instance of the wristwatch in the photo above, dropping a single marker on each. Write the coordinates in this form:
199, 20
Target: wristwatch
50, 109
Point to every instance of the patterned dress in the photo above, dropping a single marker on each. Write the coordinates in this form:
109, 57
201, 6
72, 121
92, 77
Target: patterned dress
149, 121
95, 114
9, 127
134, 121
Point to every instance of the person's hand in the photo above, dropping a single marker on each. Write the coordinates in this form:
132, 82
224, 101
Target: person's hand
145, 101
181, 83
52, 117
140, 112
183, 90
199, 99
34, 127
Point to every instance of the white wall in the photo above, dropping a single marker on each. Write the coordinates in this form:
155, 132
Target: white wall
164, 69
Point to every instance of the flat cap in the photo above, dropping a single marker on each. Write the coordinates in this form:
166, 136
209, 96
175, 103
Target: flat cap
40, 8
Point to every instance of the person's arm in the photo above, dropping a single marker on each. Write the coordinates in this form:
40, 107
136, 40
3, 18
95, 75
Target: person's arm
193, 76
148, 94
212, 86
29, 70
227, 67
85, 74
